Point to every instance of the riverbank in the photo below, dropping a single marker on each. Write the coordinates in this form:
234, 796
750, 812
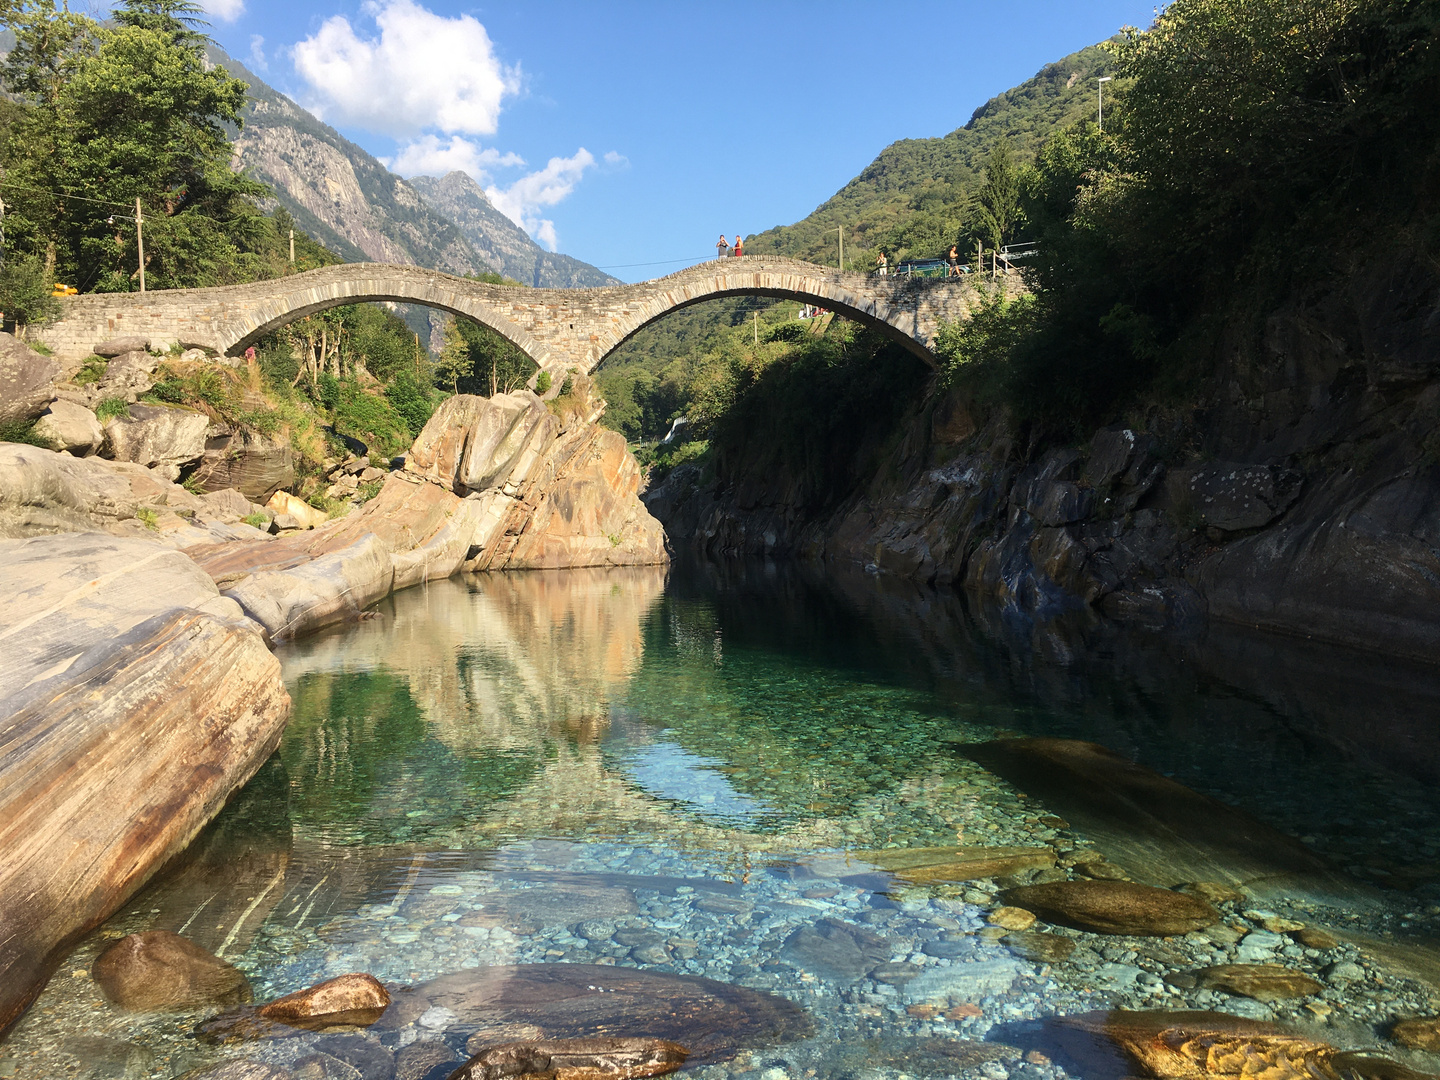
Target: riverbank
140, 693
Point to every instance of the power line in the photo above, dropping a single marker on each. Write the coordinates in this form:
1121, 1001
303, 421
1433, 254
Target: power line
61, 194
658, 262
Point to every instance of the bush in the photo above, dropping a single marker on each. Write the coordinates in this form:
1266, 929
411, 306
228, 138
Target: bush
92, 370
25, 293
542, 383
412, 402
256, 520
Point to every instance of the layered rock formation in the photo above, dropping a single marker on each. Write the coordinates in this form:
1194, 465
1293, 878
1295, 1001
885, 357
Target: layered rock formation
1299, 491
134, 699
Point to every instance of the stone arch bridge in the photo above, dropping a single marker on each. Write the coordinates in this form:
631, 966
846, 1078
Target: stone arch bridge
559, 329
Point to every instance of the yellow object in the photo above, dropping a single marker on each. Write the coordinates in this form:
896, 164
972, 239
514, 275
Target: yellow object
65, 290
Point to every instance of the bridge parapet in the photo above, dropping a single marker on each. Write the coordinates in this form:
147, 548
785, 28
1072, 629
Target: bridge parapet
558, 328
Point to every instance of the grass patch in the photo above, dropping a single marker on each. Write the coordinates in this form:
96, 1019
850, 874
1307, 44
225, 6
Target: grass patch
256, 520
111, 407
92, 370
22, 431
149, 518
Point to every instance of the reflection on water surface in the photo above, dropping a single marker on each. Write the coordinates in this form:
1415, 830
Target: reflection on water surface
685, 777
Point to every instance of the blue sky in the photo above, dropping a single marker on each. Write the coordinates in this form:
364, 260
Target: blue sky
630, 135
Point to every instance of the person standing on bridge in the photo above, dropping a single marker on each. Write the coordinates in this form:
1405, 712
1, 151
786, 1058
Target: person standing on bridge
739, 248
954, 260
722, 247
883, 265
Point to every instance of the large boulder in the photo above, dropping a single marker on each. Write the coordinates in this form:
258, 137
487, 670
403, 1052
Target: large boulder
250, 463
159, 970
473, 443
42, 491
71, 428
157, 436
26, 380
127, 376
135, 700
305, 515
318, 592
591, 515
1233, 498
1114, 907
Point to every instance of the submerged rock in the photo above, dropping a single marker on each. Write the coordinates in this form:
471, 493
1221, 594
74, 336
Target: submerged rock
1263, 982
238, 1070
575, 1058
837, 950
1114, 907
159, 970
356, 999
1185, 1045
921, 865
527, 1002
1039, 947
1421, 1033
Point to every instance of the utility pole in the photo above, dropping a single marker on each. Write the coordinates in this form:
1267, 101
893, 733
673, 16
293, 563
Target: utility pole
840, 232
140, 240
292, 247
757, 328
1100, 103
2, 232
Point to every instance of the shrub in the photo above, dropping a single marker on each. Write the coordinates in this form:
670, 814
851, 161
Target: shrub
149, 518
542, 383
92, 370
256, 520
25, 293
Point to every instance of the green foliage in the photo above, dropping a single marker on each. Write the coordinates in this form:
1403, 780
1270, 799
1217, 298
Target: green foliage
148, 517
919, 195
369, 418
92, 370
256, 520
542, 383
998, 201
25, 292
111, 407
22, 431
413, 403
975, 351
454, 359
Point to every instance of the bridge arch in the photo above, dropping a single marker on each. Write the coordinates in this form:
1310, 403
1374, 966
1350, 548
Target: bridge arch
439, 291
557, 328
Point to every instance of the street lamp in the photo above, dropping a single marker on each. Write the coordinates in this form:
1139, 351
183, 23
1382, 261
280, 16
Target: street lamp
1100, 91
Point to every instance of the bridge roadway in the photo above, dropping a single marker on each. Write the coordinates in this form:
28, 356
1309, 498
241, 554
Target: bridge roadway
559, 329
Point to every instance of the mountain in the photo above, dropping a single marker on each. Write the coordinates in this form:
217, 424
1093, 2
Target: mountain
499, 241
349, 201
914, 198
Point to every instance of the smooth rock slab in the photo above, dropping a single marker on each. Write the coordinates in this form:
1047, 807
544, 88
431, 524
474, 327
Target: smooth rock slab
923, 865
159, 970
1114, 907
526, 1002
574, 1059
1263, 982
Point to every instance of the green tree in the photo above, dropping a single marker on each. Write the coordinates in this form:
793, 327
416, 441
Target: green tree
25, 294
998, 201
497, 365
454, 362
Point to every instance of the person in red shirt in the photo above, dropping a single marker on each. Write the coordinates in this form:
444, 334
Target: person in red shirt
739, 248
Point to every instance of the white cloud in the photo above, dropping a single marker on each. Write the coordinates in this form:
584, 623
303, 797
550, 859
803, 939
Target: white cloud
422, 71
430, 155
224, 10
616, 161
257, 53
522, 200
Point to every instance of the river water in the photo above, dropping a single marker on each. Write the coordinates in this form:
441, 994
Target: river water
708, 772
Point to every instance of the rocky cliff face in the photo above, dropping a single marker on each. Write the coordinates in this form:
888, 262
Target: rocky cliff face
348, 201
1299, 492
499, 241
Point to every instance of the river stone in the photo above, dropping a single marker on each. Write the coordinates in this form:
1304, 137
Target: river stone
1191, 1045
620, 1058
356, 999
835, 950
366, 1056
1212, 892
116, 346
1114, 907
70, 428
1011, 918
1313, 938
158, 970
526, 1002
922, 865
419, 1059
1039, 947
26, 380
1421, 1033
